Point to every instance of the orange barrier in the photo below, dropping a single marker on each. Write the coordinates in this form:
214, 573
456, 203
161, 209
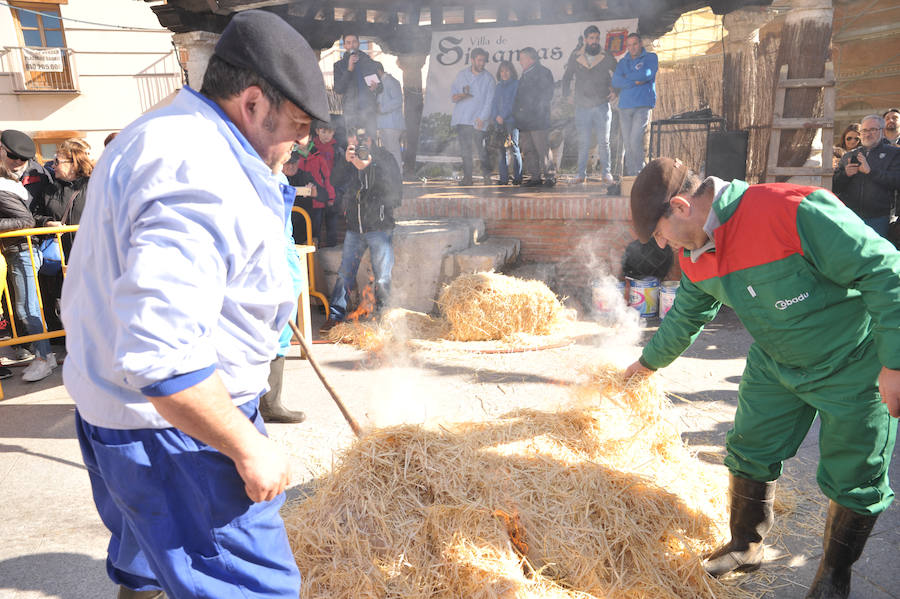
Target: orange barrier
311, 259
45, 334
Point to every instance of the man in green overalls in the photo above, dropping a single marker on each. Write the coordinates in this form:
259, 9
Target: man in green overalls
819, 291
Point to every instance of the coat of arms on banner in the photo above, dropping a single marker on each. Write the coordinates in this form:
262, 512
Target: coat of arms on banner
615, 41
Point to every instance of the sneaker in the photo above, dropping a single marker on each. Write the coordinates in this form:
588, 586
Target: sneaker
5, 373
578, 181
40, 368
549, 181
20, 357
608, 179
327, 326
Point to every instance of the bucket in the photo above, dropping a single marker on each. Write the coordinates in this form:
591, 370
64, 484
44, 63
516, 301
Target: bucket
667, 291
643, 295
605, 297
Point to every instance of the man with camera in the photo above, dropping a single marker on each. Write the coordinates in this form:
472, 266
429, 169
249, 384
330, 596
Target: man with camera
353, 74
371, 194
867, 177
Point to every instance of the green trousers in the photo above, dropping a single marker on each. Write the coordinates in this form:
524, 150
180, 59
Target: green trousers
777, 406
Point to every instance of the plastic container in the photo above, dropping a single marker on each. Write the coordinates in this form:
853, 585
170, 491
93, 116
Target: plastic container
643, 295
667, 291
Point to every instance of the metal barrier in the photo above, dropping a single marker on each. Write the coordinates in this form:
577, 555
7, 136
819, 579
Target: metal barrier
311, 259
28, 234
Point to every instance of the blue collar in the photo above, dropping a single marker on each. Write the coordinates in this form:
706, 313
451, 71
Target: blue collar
237, 133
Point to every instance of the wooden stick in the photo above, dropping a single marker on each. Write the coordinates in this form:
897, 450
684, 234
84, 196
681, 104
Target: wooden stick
312, 362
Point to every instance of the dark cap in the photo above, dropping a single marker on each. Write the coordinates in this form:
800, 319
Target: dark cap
18, 143
656, 184
265, 44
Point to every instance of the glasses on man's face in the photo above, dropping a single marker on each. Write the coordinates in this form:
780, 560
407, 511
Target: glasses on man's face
877, 129
851, 138
13, 156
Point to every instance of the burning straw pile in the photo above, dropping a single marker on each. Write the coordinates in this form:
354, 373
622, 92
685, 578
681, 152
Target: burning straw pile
603, 501
482, 306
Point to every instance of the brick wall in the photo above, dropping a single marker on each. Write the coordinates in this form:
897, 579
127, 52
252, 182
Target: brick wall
583, 233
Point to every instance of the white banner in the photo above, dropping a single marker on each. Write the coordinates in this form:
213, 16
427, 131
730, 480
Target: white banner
450, 51
554, 43
47, 60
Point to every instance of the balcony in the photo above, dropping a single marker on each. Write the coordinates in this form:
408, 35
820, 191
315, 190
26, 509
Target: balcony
40, 70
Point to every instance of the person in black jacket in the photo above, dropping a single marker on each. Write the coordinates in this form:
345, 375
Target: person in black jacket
531, 111
359, 101
63, 205
14, 214
867, 178
372, 192
17, 152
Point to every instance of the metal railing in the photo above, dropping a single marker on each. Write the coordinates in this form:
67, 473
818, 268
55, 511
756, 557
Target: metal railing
311, 261
28, 234
37, 69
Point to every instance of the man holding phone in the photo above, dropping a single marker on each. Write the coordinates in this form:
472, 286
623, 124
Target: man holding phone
867, 178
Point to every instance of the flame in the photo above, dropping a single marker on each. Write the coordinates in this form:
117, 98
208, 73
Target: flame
515, 531
366, 303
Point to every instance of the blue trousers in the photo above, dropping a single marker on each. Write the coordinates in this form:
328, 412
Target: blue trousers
634, 122
180, 519
382, 255
26, 304
588, 120
515, 159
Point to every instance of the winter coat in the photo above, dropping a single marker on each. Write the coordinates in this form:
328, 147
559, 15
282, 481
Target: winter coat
14, 213
373, 193
870, 195
504, 97
593, 80
636, 80
531, 108
54, 205
357, 98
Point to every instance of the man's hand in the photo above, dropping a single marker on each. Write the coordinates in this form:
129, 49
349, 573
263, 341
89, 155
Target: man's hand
851, 168
499, 120
351, 62
863, 167
479, 124
889, 386
206, 412
53, 223
351, 157
637, 369
457, 97
264, 469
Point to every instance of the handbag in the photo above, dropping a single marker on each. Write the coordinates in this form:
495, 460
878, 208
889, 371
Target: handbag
51, 256
496, 137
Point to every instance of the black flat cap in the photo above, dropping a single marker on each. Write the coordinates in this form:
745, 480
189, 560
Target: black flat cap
18, 143
264, 43
655, 185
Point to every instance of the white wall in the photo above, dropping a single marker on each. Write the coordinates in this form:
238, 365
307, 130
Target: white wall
121, 74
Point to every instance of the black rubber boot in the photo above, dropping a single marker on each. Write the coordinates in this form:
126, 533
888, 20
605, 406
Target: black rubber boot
846, 533
126, 593
751, 519
270, 406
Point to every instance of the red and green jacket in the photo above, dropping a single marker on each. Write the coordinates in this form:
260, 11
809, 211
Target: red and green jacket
807, 278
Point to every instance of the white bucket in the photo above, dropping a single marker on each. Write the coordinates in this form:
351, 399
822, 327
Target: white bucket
667, 291
643, 295
606, 297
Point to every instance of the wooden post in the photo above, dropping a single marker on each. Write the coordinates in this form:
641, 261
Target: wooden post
413, 102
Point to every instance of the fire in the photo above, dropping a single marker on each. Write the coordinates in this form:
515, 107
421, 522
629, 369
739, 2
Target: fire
366, 303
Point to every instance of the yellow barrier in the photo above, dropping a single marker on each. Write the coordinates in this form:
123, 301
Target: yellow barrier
311, 260
28, 234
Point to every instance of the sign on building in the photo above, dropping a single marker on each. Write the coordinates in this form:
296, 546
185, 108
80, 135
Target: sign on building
47, 60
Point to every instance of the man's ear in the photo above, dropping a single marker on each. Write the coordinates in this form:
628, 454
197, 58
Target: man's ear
252, 101
680, 205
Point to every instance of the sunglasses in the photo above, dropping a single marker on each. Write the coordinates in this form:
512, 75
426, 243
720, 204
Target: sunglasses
851, 138
13, 156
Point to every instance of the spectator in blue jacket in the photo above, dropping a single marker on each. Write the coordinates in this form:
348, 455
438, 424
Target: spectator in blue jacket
635, 78
389, 95
501, 113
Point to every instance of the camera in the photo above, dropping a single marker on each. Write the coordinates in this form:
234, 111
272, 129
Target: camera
362, 151
854, 159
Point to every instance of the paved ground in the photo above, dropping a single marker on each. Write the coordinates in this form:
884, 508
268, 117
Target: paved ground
52, 543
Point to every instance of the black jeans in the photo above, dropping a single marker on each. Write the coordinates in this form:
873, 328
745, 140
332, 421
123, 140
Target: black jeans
471, 143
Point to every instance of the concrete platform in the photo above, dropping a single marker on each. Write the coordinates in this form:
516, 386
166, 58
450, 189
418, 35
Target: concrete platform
52, 544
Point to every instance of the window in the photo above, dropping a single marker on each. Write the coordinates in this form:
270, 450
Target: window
40, 27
